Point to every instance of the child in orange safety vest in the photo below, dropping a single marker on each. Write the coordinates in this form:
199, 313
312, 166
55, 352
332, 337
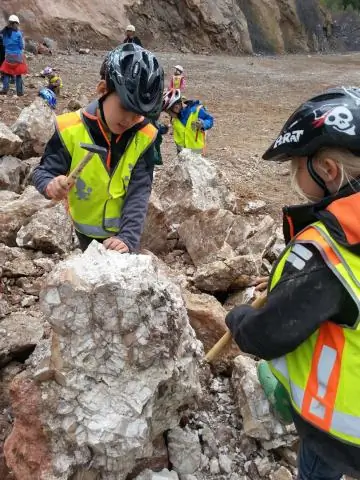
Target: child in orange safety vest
309, 329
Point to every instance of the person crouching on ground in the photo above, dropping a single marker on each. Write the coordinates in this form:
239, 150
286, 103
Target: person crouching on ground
190, 121
109, 199
309, 329
54, 81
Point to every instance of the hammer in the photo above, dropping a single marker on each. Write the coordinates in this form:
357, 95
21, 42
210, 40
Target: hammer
91, 151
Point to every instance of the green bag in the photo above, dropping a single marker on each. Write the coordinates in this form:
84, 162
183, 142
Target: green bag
275, 392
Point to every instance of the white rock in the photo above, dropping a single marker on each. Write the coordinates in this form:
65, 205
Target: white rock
225, 463
122, 362
214, 466
184, 450
254, 206
163, 475
263, 466
35, 125
12, 172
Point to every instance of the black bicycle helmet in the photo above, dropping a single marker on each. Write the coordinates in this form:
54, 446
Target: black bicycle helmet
329, 119
137, 77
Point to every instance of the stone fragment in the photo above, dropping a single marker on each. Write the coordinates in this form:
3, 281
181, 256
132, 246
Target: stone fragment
121, 364
77, 103
184, 450
281, 474
241, 297
10, 143
19, 333
254, 206
225, 463
258, 421
155, 236
16, 213
16, 262
164, 474
214, 466
12, 173
35, 125
263, 466
219, 276
49, 230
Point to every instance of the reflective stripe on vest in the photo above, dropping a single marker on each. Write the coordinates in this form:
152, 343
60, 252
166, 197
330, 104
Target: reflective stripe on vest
97, 198
321, 375
185, 136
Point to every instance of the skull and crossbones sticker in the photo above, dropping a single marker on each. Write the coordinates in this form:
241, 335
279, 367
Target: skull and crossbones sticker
340, 118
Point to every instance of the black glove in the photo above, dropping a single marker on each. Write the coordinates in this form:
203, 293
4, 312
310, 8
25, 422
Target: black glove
236, 316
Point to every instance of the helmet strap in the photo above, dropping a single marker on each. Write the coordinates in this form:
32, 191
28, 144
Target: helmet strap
101, 108
315, 176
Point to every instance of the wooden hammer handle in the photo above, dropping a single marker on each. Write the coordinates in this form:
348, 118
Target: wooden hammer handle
72, 177
224, 341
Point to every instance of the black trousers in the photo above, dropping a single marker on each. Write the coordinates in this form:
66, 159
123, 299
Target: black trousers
85, 240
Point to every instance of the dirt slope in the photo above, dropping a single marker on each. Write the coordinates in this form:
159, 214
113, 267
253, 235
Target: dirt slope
236, 26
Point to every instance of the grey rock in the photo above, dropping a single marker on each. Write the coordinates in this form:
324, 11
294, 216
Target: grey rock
49, 230
16, 262
214, 466
263, 466
225, 463
184, 450
254, 206
281, 474
18, 333
10, 143
35, 125
12, 172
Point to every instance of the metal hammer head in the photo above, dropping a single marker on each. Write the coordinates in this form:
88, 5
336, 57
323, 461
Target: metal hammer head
94, 148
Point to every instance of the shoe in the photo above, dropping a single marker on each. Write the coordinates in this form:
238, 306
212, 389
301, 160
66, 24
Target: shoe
3, 92
19, 94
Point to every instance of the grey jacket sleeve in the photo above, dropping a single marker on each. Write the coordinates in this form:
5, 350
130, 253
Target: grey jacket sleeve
55, 161
136, 202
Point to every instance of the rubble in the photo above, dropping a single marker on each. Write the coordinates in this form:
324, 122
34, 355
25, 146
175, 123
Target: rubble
35, 125
10, 143
155, 236
122, 362
77, 103
49, 230
162, 475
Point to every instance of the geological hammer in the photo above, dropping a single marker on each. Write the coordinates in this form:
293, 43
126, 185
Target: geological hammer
91, 151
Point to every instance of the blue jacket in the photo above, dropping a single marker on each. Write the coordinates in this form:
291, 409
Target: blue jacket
14, 43
204, 116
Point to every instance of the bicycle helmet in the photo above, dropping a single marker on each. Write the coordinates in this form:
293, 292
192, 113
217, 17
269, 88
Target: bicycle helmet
47, 71
136, 76
329, 119
49, 96
170, 98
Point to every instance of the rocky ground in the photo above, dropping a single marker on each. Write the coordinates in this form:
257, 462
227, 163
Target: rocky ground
212, 229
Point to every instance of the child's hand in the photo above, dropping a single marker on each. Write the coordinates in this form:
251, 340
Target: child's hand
198, 125
58, 188
116, 244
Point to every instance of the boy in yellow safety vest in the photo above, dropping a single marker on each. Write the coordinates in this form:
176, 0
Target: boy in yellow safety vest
109, 199
190, 121
54, 81
309, 329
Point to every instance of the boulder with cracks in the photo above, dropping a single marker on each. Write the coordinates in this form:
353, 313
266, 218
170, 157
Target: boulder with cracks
121, 364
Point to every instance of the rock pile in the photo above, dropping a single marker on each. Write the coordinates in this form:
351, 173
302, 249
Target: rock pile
108, 371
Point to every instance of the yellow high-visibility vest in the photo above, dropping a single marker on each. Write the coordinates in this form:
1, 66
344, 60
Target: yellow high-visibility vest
322, 375
97, 198
185, 136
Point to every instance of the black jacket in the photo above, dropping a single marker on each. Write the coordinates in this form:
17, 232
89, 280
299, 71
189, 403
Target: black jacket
133, 40
296, 307
56, 161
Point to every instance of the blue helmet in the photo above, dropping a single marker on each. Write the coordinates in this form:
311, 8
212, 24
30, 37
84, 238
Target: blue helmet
49, 96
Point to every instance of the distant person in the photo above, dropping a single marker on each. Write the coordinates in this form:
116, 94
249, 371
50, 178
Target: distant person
190, 121
14, 63
177, 81
131, 37
54, 81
